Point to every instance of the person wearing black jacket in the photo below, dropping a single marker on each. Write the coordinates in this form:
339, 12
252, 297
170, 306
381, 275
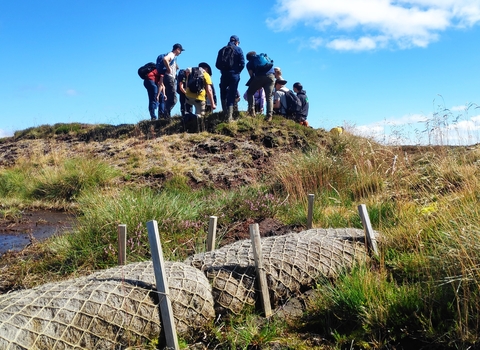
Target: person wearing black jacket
230, 61
302, 95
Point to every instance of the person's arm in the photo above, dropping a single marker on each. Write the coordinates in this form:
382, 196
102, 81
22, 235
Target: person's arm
210, 96
182, 83
242, 60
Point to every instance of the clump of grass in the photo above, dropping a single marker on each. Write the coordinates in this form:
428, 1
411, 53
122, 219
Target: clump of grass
67, 181
248, 331
361, 307
253, 202
13, 182
67, 128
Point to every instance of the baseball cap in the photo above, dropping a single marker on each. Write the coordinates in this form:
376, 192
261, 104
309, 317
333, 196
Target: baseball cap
235, 38
178, 46
281, 82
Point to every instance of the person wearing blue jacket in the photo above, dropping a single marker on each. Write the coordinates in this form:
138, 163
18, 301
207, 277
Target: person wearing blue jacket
230, 62
302, 95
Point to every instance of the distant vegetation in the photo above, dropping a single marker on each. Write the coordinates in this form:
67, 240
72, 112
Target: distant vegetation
422, 292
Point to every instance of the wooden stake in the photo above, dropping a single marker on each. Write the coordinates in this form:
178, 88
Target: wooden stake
311, 198
212, 232
165, 306
370, 240
122, 244
261, 275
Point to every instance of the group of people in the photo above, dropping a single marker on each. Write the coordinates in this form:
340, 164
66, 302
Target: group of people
266, 93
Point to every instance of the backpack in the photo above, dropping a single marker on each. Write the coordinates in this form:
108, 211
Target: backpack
293, 108
145, 69
226, 58
262, 63
161, 68
196, 81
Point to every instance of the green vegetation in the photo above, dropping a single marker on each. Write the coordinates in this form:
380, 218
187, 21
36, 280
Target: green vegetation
422, 291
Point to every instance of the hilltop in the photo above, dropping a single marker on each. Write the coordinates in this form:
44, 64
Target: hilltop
149, 153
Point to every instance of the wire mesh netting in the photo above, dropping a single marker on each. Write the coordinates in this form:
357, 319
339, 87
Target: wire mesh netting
292, 264
109, 309
118, 308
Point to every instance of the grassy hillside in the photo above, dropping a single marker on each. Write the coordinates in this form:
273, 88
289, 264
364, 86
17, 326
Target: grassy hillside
421, 292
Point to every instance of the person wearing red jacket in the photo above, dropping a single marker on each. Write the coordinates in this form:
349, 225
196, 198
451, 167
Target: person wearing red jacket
156, 94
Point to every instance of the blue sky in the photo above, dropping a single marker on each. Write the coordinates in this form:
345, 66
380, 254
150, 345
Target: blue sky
399, 71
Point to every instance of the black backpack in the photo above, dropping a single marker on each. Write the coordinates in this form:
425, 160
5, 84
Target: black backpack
196, 81
293, 108
145, 69
225, 58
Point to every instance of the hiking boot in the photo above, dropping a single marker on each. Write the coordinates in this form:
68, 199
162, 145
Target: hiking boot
153, 118
268, 118
230, 114
251, 113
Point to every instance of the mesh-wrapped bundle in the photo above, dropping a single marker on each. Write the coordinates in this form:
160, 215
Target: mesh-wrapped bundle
110, 309
292, 262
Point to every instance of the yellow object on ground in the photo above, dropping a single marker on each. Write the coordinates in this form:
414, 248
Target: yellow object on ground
337, 130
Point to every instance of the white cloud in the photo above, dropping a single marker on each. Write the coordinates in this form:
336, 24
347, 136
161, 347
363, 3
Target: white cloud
71, 92
356, 45
4, 133
372, 24
458, 108
414, 129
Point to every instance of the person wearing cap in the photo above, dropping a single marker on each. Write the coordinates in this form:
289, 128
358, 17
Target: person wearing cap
170, 61
279, 99
258, 81
302, 95
199, 99
230, 62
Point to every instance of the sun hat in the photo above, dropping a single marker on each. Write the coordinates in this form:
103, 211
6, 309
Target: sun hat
206, 66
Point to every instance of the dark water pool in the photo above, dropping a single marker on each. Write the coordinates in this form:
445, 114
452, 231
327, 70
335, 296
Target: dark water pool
33, 226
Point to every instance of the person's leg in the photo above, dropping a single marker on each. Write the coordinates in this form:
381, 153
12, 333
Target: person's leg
223, 92
182, 103
255, 84
152, 91
200, 107
161, 106
268, 87
232, 83
233, 80
170, 91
